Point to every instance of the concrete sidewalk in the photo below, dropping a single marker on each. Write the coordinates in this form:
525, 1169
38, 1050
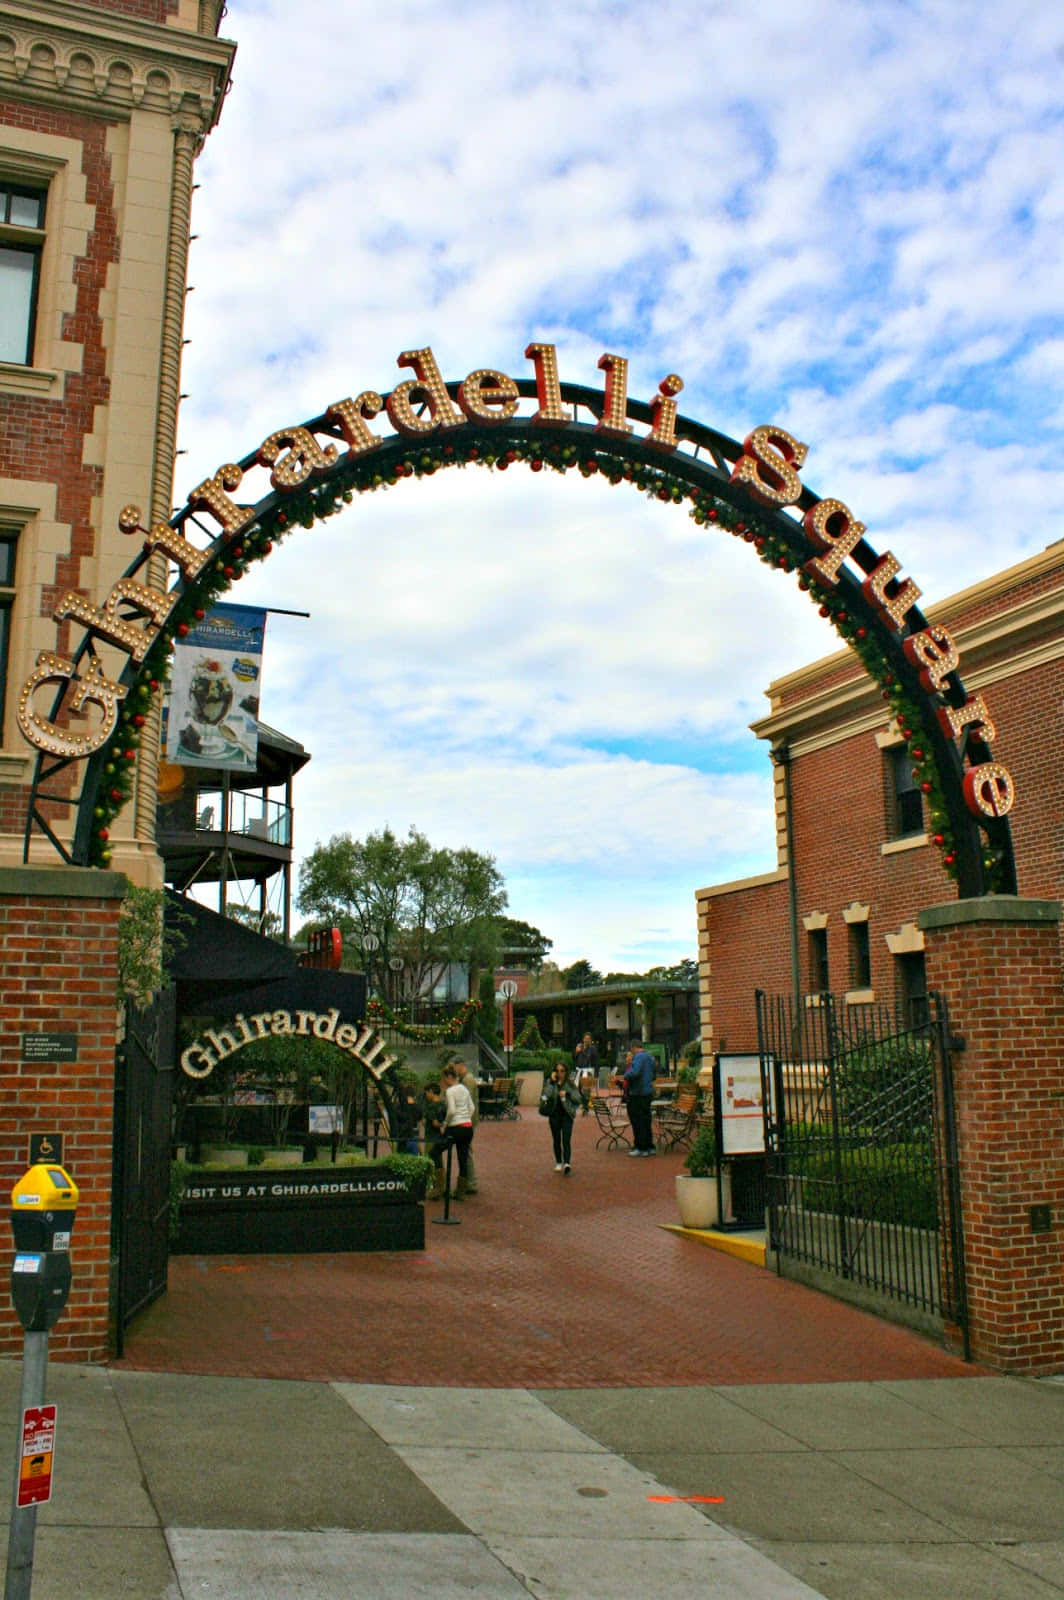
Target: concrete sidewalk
171, 1487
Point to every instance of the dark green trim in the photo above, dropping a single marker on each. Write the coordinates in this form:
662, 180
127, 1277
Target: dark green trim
62, 883
989, 908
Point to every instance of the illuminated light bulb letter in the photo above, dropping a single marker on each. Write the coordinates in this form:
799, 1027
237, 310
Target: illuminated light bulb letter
105, 622
935, 653
351, 416
972, 714
613, 415
544, 358
832, 528
185, 556
891, 607
303, 456
94, 688
213, 495
989, 790
431, 387
768, 466
663, 412
488, 396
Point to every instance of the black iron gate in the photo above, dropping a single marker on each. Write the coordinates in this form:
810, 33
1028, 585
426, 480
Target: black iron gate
861, 1142
144, 1078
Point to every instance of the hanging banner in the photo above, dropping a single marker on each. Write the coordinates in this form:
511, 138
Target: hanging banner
213, 717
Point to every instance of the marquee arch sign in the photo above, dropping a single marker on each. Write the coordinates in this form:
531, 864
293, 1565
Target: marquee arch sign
311, 470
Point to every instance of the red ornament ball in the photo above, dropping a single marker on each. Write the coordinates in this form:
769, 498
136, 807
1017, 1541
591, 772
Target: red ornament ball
536, 464
182, 628
103, 834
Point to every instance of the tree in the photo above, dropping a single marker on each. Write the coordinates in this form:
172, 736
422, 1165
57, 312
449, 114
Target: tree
520, 944
268, 923
581, 975
405, 899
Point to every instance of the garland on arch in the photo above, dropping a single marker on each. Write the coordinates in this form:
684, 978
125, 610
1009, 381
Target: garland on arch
774, 546
381, 1014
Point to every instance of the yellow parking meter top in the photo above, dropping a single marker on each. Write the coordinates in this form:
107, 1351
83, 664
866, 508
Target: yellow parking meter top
45, 1187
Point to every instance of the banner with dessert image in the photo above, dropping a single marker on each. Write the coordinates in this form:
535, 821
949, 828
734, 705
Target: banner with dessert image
213, 712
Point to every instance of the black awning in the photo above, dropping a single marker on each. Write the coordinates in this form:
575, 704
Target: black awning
218, 953
223, 966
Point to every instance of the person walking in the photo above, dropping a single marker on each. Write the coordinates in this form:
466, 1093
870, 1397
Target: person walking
562, 1100
458, 1127
639, 1082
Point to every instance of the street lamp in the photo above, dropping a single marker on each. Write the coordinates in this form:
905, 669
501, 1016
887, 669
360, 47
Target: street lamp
370, 944
396, 963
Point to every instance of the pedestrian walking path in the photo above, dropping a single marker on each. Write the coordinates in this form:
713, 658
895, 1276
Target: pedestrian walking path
559, 1398
549, 1281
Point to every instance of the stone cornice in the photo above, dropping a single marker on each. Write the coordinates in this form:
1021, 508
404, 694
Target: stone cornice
55, 51
1012, 639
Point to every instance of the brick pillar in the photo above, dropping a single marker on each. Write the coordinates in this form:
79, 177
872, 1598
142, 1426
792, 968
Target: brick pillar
58, 965
997, 961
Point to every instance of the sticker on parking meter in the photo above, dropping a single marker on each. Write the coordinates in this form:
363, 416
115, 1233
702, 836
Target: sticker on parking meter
38, 1447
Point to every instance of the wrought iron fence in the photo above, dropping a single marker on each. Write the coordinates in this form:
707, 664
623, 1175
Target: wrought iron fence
862, 1170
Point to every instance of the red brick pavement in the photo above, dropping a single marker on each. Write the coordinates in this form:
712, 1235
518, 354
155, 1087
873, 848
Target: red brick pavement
548, 1282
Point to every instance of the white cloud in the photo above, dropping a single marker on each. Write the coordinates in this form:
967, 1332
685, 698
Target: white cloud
847, 220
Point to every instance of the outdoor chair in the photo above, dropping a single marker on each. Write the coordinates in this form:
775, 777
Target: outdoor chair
513, 1099
614, 1129
677, 1123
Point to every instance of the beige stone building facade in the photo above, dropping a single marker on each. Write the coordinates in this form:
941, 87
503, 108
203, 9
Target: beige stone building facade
103, 109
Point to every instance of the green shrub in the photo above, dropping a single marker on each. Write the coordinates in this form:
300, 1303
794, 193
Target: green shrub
883, 1183
415, 1171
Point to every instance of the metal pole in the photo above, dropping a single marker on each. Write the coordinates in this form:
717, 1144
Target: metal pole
23, 1527
447, 1220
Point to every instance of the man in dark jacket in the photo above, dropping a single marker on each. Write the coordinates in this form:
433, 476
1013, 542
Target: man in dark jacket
639, 1082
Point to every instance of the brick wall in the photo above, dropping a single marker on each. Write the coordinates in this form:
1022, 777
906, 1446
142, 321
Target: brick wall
58, 957
998, 962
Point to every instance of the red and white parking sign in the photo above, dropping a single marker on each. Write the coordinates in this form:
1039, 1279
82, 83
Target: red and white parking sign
38, 1447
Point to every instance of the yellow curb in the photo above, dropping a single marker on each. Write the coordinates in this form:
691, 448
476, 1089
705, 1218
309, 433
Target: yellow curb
746, 1249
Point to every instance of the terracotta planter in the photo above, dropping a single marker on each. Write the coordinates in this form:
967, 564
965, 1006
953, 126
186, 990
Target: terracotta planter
697, 1200
283, 1158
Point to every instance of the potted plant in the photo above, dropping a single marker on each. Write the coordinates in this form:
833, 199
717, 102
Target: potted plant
696, 1190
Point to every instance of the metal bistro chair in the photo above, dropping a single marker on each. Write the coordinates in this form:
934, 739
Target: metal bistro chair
614, 1132
512, 1099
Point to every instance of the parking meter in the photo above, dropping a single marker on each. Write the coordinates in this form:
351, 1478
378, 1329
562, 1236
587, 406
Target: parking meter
44, 1202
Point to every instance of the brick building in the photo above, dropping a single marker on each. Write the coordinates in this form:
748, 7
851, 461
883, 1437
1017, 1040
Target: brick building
855, 860
103, 108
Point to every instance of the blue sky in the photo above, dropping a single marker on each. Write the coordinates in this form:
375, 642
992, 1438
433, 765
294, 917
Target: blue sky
844, 218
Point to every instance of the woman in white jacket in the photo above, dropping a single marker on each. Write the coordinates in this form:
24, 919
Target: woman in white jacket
458, 1129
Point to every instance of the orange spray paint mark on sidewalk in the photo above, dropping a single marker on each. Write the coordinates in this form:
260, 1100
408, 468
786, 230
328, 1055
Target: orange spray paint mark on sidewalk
686, 1499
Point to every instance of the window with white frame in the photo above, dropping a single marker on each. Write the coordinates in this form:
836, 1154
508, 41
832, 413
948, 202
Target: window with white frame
22, 211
